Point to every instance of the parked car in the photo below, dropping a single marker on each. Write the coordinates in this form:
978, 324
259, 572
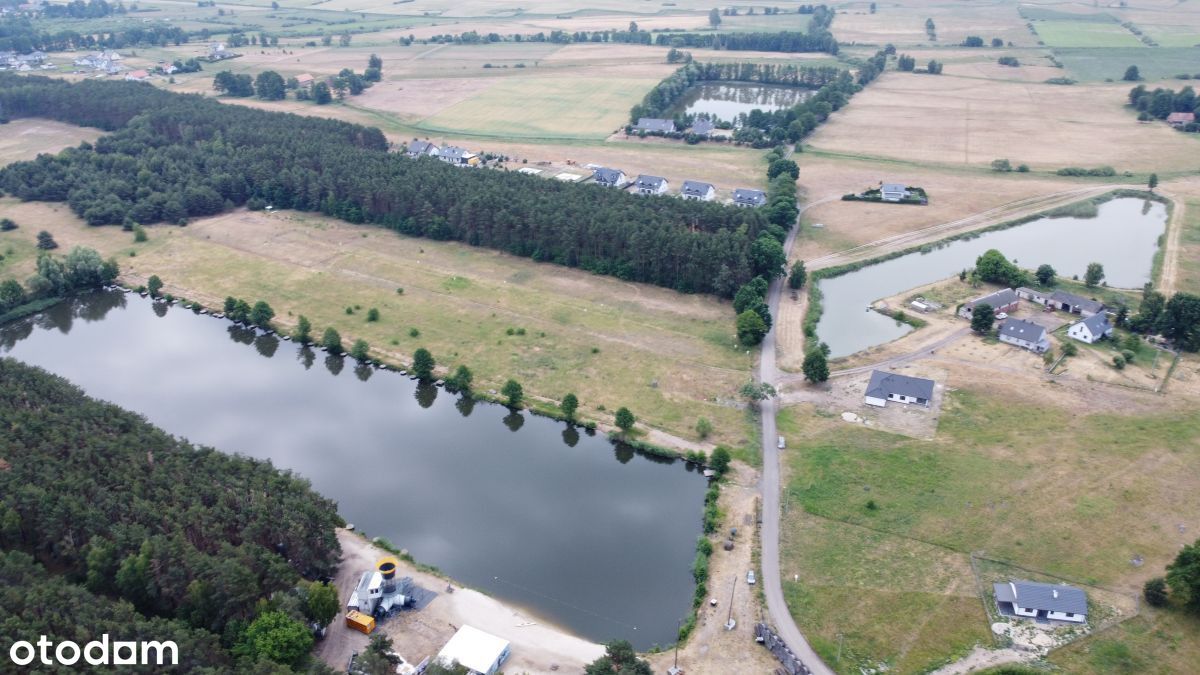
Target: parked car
750, 577
782, 443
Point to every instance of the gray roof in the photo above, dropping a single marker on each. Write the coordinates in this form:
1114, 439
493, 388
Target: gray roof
650, 182
998, 299
703, 126
655, 124
1082, 303
454, 152
420, 148
1048, 597
1097, 323
884, 383
603, 175
894, 187
1023, 330
749, 196
696, 188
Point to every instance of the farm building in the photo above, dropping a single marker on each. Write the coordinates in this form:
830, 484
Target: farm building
1001, 301
452, 154
1063, 301
304, 79
1051, 602
651, 185
885, 387
421, 149
748, 198
479, 652
1092, 329
652, 124
610, 177
702, 127
893, 192
1181, 119
137, 76
698, 191
1025, 335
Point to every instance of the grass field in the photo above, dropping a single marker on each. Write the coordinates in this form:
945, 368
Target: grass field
25, 139
666, 356
1085, 34
1022, 480
1150, 644
1160, 63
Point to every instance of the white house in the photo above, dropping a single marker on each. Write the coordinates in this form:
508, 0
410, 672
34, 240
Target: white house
479, 652
457, 156
651, 185
698, 191
749, 198
1055, 602
1025, 335
610, 177
885, 387
421, 149
1091, 329
893, 192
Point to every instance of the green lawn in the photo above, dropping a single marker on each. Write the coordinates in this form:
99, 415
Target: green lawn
1156, 643
1097, 65
1085, 34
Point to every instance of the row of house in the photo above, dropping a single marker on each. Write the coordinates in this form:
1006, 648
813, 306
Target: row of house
1028, 335
700, 127
646, 184
450, 154
106, 62
24, 62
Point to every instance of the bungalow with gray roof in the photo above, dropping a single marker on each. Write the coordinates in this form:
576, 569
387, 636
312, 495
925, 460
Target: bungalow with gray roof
1001, 301
421, 149
651, 185
1045, 602
748, 198
1092, 329
1025, 335
697, 191
457, 156
610, 177
1074, 304
653, 124
893, 192
885, 386
702, 127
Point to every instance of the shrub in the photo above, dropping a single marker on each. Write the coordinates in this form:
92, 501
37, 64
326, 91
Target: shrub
513, 392
372, 314
7, 225
423, 363
703, 427
1118, 362
1155, 592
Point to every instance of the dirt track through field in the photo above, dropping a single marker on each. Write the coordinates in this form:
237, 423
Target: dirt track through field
1170, 266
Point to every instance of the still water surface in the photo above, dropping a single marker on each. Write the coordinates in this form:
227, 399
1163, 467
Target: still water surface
1123, 237
726, 100
588, 535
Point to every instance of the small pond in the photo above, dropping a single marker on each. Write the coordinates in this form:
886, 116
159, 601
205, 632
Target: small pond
584, 533
1123, 237
726, 100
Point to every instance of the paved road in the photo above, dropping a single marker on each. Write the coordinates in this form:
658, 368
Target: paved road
781, 618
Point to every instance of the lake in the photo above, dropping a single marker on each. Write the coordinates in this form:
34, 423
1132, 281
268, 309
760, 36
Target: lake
726, 100
1123, 236
585, 534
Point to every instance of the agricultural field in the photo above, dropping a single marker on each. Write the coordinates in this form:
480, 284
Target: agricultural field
25, 139
903, 24
1076, 34
1159, 63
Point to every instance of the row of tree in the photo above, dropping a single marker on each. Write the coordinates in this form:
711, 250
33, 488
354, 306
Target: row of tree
1160, 103
81, 269
175, 156
21, 35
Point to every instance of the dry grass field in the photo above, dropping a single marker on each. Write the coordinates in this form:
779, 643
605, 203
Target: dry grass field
24, 139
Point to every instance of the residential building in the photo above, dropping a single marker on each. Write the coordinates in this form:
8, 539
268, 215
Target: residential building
1063, 301
610, 177
421, 149
136, 76
1092, 329
304, 79
1047, 602
748, 198
479, 652
651, 185
697, 191
457, 156
1025, 335
1181, 119
702, 127
1001, 301
885, 386
893, 192
653, 124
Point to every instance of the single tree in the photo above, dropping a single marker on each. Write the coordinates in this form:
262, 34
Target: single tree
45, 241
322, 605
625, 419
982, 318
423, 363
1132, 74
798, 277
703, 428
1069, 349
714, 18
460, 379
1155, 592
372, 315
569, 405
1045, 274
277, 637
303, 333
720, 459
1183, 576
332, 340
154, 285
1001, 165
1094, 275
751, 329
261, 314
815, 367
1118, 362
513, 392
1153, 182
755, 392
360, 351
7, 225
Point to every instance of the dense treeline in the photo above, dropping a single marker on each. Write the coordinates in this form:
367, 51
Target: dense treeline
78, 9
1160, 103
81, 269
19, 34
175, 156
180, 532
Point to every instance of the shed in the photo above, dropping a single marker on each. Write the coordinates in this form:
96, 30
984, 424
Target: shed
1001, 301
480, 652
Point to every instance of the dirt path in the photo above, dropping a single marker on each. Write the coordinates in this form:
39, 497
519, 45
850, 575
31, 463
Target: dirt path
981, 658
1171, 247
536, 647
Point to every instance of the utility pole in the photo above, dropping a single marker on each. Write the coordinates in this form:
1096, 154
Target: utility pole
731, 592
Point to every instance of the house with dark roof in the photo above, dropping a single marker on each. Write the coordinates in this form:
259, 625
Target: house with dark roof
1062, 301
893, 192
610, 177
653, 124
1025, 335
1044, 602
457, 156
651, 185
885, 386
421, 149
1001, 301
748, 198
1181, 119
1092, 329
697, 191
702, 127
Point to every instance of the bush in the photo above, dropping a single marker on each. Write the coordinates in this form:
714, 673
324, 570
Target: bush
513, 392
1069, 349
703, 427
1119, 362
372, 315
423, 363
1128, 355
7, 225
1155, 592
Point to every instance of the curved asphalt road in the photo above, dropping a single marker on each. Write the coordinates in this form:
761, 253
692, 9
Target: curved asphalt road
781, 618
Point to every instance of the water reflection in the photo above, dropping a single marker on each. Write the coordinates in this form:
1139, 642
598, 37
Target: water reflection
514, 421
306, 356
570, 435
726, 100
266, 345
465, 405
426, 394
334, 364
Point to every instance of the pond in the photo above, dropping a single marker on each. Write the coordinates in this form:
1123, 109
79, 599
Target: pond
1123, 237
726, 100
585, 534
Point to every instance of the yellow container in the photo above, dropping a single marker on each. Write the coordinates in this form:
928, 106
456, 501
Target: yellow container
360, 622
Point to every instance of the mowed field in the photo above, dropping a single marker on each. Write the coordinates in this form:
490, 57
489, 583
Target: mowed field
1085, 34
666, 356
1030, 480
24, 139
951, 120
